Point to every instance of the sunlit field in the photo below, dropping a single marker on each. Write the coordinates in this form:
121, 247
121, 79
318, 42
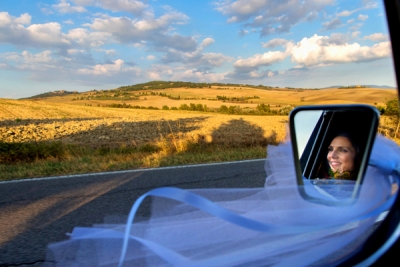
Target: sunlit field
66, 134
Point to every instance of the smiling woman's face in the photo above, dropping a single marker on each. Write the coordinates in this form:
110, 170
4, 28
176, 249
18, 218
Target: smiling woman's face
341, 154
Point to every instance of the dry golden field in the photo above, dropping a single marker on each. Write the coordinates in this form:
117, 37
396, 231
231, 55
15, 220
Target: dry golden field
273, 97
175, 136
23, 121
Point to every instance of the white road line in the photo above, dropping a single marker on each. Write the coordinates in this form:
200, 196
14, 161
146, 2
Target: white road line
127, 171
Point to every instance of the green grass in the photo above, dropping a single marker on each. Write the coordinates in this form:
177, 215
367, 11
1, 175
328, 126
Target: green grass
54, 159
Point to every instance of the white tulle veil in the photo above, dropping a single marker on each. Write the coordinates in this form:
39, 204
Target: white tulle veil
269, 226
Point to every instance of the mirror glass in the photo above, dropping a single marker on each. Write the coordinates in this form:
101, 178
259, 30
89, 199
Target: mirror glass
331, 146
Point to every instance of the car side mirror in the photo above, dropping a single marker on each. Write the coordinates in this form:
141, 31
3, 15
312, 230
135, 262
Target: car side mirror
331, 148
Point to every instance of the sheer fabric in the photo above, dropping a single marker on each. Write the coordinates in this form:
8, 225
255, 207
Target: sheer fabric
269, 226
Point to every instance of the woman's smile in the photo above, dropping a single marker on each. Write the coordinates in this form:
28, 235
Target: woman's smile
341, 155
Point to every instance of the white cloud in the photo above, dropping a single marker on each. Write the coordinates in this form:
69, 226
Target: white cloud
333, 24
105, 69
24, 19
377, 37
350, 21
84, 2
197, 76
257, 60
355, 34
132, 6
69, 22
369, 4
48, 33
13, 31
271, 16
154, 31
65, 7
85, 38
153, 75
46, 11
206, 42
44, 56
362, 17
151, 57
213, 59
319, 51
274, 43
108, 52
7, 20
345, 13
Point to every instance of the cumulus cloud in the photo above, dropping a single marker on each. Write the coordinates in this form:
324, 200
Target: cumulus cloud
345, 13
7, 20
362, 17
85, 38
377, 37
198, 76
65, 7
134, 7
13, 31
26, 58
333, 24
271, 16
116, 67
151, 57
258, 60
69, 22
104, 69
355, 34
274, 43
154, 31
40, 35
319, 51
84, 2
312, 52
44, 56
206, 42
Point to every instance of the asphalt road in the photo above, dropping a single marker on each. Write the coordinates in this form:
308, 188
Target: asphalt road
34, 213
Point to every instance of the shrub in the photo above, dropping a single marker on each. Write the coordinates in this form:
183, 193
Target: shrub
29, 152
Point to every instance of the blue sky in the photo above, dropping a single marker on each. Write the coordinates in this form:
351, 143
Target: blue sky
80, 45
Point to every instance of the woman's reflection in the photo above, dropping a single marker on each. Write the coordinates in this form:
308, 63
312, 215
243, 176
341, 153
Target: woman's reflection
343, 159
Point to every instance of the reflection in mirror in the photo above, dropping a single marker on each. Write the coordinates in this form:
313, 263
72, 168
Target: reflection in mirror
331, 145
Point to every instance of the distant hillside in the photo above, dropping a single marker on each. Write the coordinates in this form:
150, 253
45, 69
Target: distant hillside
361, 86
54, 93
160, 85
157, 85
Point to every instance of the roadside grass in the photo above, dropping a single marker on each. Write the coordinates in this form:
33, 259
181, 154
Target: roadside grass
72, 159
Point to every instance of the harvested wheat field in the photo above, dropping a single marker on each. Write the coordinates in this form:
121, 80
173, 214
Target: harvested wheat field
24, 121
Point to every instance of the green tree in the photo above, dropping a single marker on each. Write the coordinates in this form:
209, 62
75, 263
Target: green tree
184, 107
199, 107
165, 107
223, 109
392, 107
263, 108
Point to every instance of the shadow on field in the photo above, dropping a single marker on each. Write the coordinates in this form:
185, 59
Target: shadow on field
240, 133
112, 132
